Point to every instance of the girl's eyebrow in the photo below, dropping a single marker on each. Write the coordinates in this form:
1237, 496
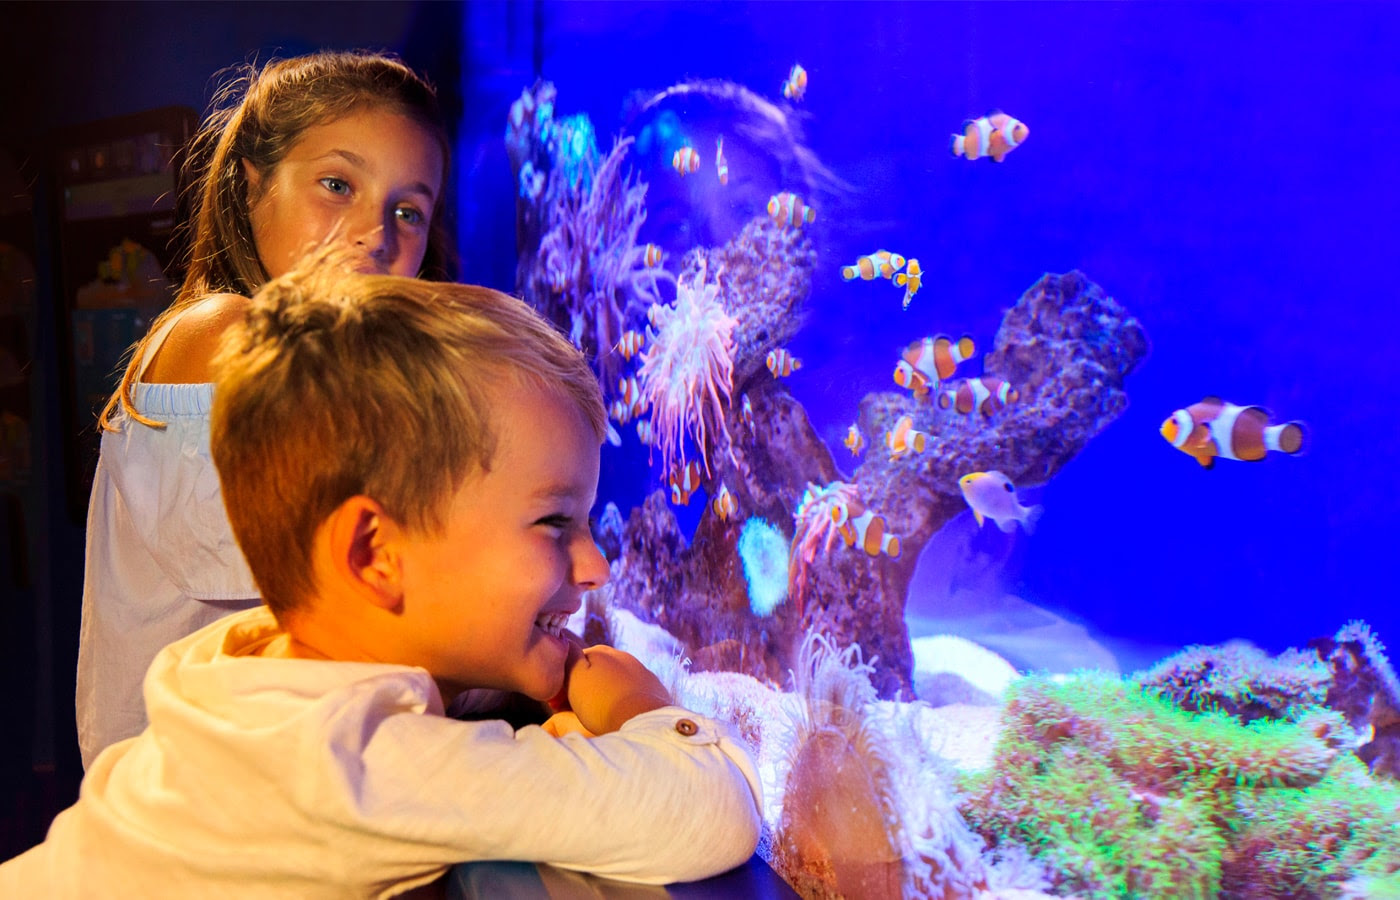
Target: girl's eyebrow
358, 162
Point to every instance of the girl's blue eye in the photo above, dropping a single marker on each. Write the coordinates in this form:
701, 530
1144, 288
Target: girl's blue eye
409, 216
336, 186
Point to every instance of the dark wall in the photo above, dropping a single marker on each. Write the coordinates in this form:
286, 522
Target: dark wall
65, 65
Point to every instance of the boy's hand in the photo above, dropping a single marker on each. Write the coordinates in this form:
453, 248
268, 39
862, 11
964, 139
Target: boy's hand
606, 687
564, 723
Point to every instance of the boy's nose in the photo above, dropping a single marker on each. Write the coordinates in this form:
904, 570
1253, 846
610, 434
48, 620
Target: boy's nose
590, 566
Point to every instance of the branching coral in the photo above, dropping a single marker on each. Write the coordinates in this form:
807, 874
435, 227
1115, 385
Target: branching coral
1123, 794
687, 373
590, 264
816, 529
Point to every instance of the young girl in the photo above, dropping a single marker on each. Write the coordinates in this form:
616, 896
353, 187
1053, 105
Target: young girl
347, 146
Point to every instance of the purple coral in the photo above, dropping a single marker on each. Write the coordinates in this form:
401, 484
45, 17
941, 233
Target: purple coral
687, 368
591, 275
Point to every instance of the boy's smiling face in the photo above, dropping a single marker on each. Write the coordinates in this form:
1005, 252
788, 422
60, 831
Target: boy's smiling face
516, 551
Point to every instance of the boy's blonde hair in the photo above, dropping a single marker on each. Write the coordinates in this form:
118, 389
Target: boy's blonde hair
257, 116
340, 384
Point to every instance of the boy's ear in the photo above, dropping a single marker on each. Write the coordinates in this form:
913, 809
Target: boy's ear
364, 548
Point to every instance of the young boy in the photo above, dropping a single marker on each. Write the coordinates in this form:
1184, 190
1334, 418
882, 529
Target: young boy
408, 468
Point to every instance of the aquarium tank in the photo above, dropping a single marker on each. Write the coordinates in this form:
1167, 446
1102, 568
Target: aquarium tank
1003, 417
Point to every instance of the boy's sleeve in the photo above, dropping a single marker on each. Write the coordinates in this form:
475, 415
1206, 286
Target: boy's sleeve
672, 796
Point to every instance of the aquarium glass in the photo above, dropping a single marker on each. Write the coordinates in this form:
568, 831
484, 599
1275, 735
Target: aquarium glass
1003, 416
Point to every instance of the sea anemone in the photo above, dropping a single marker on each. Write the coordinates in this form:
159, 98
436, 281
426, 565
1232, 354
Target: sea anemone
687, 368
762, 548
815, 529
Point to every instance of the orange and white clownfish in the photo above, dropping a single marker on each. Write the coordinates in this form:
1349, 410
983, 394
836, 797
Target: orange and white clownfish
721, 164
631, 343
686, 160
904, 438
782, 363
1214, 428
644, 431
684, 480
651, 256
632, 396
620, 411
855, 441
788, 210
796, 84
992, 496
995, 134
938, 356
860, 527
746, 408
930, 361
881, 263
984, 393
911, 280
724, 505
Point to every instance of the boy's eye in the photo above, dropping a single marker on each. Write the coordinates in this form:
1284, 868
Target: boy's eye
336, 185
410, 216
561, 522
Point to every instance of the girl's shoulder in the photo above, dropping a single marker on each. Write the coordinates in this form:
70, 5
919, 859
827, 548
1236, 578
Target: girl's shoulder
185, 355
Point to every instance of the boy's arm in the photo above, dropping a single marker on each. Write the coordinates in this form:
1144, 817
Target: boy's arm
671, 796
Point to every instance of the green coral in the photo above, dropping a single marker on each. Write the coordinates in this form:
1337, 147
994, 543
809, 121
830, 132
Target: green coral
1242, 680
1123, 794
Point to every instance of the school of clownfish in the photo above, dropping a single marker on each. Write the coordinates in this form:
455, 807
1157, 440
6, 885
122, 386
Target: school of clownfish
1207, 430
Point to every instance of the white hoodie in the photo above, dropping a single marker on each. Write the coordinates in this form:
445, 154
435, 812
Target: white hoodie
273, 777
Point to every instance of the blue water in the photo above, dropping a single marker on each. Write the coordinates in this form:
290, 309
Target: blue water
1227, 172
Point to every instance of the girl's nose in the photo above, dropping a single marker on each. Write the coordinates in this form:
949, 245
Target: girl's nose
377, 242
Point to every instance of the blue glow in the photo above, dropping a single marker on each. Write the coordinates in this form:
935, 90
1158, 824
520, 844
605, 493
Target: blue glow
764, 552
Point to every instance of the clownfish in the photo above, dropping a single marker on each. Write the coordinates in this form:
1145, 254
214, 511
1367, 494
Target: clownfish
782, 363
1214, 428
985, 394
632, 397
631, 343
995, 134
620, 411
644, 432
904, 438
746, 408
865, 530
796, 84
911, 280
686, 160
855, 441
911, 379
930, 361
651, 256
938, 356
721, 164
787, 209
685, 480
724, 505
882, 263
992, 496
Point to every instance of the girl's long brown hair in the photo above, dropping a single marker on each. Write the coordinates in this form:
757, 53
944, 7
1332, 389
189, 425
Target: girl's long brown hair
258, 115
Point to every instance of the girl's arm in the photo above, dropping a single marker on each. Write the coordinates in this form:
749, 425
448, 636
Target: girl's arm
185, 356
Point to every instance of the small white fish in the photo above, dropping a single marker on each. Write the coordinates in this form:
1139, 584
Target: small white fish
992, 496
